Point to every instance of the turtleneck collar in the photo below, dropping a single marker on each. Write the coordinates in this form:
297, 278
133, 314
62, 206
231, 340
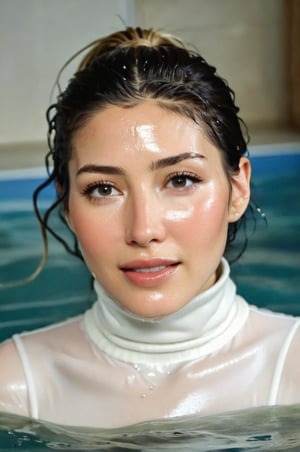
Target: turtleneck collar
201, 327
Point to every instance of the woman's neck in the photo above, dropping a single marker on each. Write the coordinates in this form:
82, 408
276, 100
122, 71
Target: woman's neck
201, 327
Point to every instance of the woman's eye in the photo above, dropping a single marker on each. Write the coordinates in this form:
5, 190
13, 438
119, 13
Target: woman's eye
182, 181
101, 190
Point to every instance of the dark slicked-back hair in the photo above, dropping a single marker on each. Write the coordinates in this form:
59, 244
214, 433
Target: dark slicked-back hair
130, 67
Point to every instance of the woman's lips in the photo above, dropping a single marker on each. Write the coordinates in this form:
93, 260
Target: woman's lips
148, 273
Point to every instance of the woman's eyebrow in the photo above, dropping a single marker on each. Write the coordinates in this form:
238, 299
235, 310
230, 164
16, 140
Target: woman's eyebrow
158, 164
105, 169
173, 160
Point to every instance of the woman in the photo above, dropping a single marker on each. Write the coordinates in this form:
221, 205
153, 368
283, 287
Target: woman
150, 168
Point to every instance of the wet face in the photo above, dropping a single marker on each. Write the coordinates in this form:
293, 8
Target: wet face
150, 204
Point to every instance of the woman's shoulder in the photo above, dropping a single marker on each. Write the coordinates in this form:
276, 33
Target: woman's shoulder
281, 335
59, 335
9, 358
13, 387
269, 317
271, 333
271, 327
289, 390
30, 354
10, 362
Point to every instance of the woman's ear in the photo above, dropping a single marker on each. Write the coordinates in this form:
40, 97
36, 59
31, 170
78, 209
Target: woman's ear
240, 191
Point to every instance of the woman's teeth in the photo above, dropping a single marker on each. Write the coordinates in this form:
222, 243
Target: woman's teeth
151, 269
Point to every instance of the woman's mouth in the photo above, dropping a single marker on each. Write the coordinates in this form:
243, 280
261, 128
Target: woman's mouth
151, 270
148, 273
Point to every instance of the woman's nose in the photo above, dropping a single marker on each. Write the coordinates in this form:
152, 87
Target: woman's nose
144, 221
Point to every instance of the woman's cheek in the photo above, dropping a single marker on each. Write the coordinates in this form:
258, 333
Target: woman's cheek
91, 230
206, 216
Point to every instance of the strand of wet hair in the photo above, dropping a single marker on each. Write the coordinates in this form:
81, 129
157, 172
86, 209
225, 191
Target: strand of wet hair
41, 265
56, 83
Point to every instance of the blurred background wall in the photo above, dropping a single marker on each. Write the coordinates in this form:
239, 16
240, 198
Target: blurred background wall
253, 44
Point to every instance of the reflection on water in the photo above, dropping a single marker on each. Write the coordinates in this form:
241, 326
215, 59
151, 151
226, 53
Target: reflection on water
260, 429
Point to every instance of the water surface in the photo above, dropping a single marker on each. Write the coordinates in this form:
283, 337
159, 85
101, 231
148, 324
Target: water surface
261, 429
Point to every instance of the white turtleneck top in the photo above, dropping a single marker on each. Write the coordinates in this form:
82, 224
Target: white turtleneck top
109, 368
200, 328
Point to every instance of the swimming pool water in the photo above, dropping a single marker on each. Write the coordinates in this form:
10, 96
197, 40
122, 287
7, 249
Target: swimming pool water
267, 275
261, 429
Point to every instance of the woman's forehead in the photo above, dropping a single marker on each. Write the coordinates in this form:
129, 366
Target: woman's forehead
146, 125
144, 137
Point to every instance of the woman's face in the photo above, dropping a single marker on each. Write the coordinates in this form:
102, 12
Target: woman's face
150, 204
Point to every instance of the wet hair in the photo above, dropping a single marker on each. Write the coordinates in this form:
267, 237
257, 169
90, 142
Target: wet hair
125, 69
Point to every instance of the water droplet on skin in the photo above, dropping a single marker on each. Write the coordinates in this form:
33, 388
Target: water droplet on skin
143, 396
130, 379
151, 374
